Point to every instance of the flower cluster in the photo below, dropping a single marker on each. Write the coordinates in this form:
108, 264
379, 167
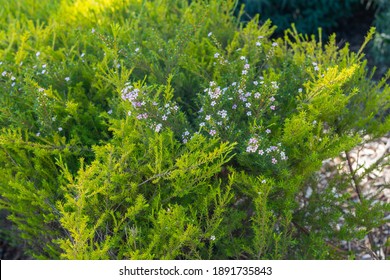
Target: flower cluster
145, 107
273, 152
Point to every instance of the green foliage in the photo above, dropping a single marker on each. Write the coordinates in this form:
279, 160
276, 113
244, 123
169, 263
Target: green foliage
170, 130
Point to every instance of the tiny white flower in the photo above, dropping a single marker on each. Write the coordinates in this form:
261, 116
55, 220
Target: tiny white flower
60, 129
242, 57
244, 72
216, 55
93, 30
67, 79
4, 73
212, 238
43, 71
249, 113
258, 44
268, 131
38, 134
38, 54
210, 33
274, 44
136, 50
255, 83
109, 112
164, 117
300, 90
82, 55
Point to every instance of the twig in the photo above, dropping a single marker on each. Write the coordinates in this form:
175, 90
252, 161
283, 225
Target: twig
356, 185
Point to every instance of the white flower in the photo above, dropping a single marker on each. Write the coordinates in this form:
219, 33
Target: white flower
67, 79
248, 105
212, 132
258, 44
212, 238
274, 44
4, 73
300, 90
244, 72
136, 50
208, 117
158, 127
38, 134
249, 113
93, 30
164, 117
210, 33
242, 57
222, 113
268, 131
60, 129
109, 112
38, 54
255, 83
216, 55
257, 95
246, 66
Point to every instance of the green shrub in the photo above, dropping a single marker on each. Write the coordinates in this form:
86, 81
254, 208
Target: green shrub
169, 130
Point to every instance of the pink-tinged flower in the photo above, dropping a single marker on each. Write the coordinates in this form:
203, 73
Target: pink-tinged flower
272, 107
208, 117
234, 107
261, 152
246, 66
253, 141
257, 95
272, 99
252, 148
212, 132
274, 161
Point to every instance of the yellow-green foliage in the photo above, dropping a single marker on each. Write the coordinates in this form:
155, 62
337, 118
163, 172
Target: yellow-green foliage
169, 130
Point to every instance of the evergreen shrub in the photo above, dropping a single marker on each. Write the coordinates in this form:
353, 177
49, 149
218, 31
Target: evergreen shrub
170, 130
